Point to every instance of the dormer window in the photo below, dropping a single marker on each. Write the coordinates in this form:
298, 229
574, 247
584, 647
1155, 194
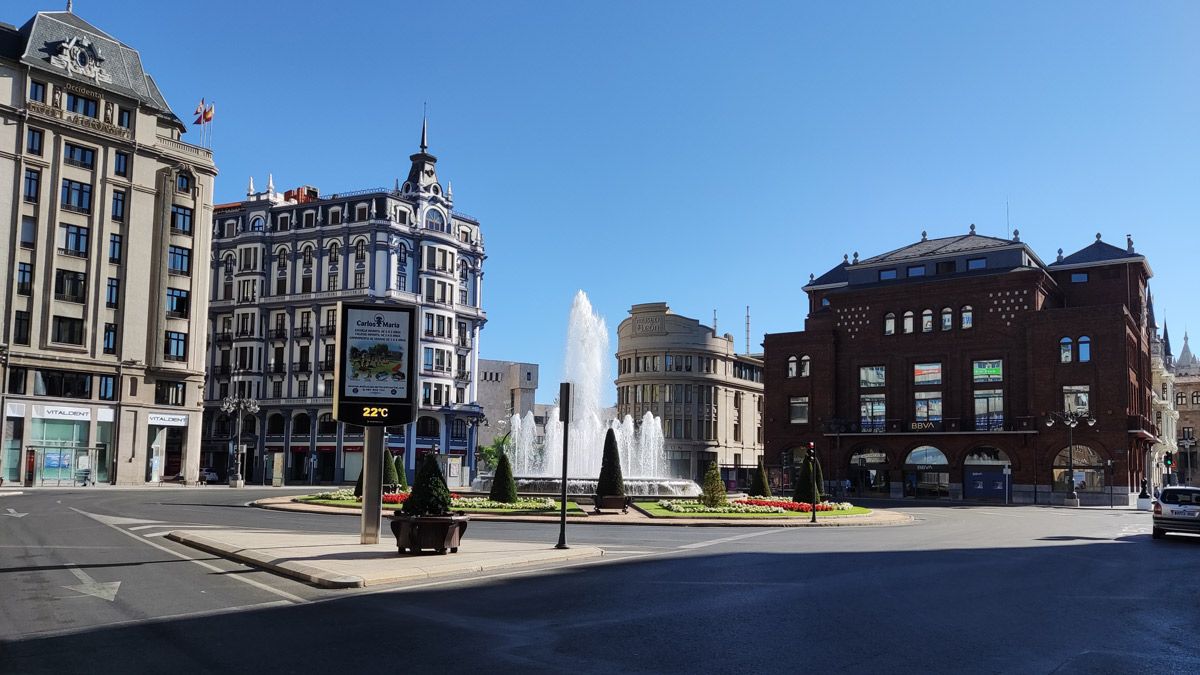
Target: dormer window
887, 275
335, 216
977, 263
434, 220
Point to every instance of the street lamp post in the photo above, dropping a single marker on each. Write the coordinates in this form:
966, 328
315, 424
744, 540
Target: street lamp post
838, 426
238, 406
3, 412
1070, 419
1188, 442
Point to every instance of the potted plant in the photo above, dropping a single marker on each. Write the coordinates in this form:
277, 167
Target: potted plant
610, 489
426, 522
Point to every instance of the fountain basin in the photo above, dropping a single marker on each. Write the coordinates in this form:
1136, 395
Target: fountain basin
586, 487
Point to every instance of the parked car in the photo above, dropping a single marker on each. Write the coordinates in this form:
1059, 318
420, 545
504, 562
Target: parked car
1177, 510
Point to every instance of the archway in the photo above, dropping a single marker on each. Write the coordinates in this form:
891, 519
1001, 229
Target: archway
1088, 468
926, 473
984, 474
869, 473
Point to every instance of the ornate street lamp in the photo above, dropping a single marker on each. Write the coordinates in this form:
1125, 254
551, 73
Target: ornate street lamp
240, 406
1071, 419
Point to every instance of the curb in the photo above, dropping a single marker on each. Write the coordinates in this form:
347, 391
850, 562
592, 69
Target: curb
294, 570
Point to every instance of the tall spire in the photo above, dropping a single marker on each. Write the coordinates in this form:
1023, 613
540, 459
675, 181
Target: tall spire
424, 131
250, 187
70, 10
270, 184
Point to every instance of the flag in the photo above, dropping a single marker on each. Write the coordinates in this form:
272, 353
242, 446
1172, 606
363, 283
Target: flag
208, 113
199, 113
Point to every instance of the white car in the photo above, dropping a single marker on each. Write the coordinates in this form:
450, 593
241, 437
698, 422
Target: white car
1177, 510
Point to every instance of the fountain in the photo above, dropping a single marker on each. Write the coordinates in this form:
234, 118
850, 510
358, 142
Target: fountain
537, 467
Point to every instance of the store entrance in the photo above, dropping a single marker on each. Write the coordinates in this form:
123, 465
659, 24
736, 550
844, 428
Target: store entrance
926, 474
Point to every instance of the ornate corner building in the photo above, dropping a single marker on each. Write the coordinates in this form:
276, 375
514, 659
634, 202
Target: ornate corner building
932, 371
104, 306
281, 263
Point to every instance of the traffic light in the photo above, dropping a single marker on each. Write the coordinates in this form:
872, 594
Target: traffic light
1169, 460
812, 452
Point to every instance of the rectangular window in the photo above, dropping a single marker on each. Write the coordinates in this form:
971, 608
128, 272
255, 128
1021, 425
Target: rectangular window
66, 330
1075, 398
33, 141
1079, 277
179, 260
106, 388
114, 248
360, 279
75, 239
916, 270
169, 393
78, 155
990, 370
118, 205
977, 263
277, 389
872, 412
110, 338
181, 220
175, 348
16, 380
178, 303
887, 275
21, 327
927, 373
112, 296
37, 91
121, 164
70, 286
989, 410
928, 406
944, 267
302, 388
62, 384
183, 183
28, 232
872, 376
33, 185
24, 279
76, 196
798, 409
81, 105
123, 117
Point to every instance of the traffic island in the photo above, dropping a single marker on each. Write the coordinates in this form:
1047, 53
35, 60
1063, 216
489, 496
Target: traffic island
340, 561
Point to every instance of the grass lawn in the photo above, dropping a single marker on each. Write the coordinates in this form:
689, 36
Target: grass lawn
572, 508
656, 511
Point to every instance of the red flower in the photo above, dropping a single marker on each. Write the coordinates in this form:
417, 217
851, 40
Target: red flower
396, 498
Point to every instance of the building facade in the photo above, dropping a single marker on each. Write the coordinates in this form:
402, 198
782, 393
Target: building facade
709, 397
507, 388
934, 370
104, 306
281, 264
1186, 464
1166, 416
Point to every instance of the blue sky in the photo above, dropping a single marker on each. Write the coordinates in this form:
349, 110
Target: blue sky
710, 155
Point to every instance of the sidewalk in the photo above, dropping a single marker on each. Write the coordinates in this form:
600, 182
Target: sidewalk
634, 517
339, 561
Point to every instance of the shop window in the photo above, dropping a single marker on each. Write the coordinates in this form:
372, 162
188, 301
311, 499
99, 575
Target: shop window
1088, 467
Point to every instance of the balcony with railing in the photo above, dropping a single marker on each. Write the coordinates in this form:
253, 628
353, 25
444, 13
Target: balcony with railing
983, 423
302, 366
302, 332
325, 366
328, 331
279, 333
70, 297
74, 252
225, 336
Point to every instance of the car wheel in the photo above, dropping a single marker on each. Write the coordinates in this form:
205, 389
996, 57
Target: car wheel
1156, 533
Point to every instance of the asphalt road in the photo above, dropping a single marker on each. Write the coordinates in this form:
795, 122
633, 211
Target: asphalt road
87, 582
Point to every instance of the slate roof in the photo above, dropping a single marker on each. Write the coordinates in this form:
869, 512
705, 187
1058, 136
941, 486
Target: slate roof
837, 275
942, 246
1098, 252
46, 30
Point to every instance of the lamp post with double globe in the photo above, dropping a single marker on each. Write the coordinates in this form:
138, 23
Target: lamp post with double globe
240, 406
1070, 419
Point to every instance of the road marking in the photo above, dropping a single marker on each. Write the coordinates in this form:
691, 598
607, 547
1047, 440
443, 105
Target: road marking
105, 590
173, 526
723, 540
14, 514
251, 582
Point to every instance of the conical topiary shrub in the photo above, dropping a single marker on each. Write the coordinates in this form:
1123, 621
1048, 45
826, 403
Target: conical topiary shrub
804, 488
611, 484
759, 487
504, 487
713, 488
401, 473
389, 470
430, 496
358, 484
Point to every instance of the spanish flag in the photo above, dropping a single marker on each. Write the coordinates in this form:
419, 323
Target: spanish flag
208, 112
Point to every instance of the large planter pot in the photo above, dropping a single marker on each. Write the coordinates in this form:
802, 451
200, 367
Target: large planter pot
611, 503
438, 533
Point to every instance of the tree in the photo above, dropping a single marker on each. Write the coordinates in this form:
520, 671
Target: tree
401, 474
389, 470
611, 484
430, 496
713, 489
760, 487
504, 488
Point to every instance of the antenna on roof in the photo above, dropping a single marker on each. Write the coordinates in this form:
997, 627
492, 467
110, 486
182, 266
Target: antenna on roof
747, 329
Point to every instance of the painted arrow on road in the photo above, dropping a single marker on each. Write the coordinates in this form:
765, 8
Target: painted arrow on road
14, 514
105, 590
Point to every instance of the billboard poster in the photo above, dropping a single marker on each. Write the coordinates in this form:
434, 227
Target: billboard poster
376, 344
988, 371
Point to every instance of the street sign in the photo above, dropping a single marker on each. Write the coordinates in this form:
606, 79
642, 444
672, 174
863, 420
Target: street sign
374, 376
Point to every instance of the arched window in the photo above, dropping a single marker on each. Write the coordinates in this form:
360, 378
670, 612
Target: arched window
968, 317
805, 364
283, 259
434, 220
301, 425
275, 425
927, 321
926, 454
360, 250
908, 322
334, 252
1196, 398
868, 472
792, 366
1088, 467
1085, 349
889, 323
326, 425
249, 425
1064, 350
947, 318
229, 260
1181, 398
428, 427
308, 256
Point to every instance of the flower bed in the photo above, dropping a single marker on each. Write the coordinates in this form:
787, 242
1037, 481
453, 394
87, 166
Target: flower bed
803, 507
532, 504
692, 506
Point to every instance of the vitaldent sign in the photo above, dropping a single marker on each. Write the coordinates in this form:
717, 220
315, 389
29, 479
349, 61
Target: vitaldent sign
165, 420
58, 412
